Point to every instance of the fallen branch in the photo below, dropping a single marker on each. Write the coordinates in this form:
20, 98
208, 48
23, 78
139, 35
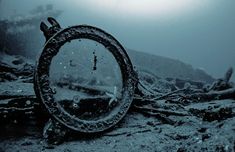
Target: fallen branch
164, 119
154, 110
213, 95
127, 133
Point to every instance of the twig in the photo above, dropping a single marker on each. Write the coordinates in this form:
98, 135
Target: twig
228, 75
166, 112
213, 95
127, 133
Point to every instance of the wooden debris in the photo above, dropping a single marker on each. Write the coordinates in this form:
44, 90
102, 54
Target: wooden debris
18, 100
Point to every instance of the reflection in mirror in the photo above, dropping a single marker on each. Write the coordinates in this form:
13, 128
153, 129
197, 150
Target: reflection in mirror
86, 79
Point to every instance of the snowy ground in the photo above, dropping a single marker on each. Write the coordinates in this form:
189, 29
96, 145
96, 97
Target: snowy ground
139, 133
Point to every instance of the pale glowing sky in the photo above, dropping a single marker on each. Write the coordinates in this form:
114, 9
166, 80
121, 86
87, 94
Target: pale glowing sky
143, 8
198, 32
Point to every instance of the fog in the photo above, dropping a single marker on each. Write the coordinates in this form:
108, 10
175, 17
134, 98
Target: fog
200, 33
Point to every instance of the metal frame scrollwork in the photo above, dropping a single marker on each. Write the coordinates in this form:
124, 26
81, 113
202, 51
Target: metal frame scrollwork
56, 37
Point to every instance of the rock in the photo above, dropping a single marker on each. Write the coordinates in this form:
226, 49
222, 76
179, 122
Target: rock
27, 143
202, 130
181, 149
18, 61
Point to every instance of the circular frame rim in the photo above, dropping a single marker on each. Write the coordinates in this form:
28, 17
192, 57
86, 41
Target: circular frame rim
42, 86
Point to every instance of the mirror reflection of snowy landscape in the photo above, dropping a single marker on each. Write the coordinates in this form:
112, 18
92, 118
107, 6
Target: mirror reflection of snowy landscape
117, 75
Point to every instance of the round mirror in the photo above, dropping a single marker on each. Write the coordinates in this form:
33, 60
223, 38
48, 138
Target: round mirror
85, 79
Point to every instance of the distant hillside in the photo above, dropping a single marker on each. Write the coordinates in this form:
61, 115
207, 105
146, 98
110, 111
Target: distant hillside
165, 67
160, 66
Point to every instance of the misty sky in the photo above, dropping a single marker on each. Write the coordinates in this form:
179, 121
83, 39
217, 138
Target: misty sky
198, 32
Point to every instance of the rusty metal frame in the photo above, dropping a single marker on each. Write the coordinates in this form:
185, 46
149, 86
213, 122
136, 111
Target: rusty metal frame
56, 39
